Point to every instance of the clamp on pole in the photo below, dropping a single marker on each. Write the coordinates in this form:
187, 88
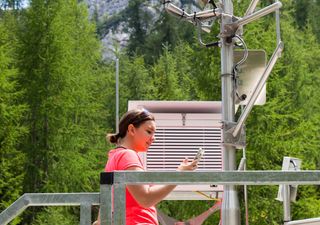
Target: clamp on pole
231, 28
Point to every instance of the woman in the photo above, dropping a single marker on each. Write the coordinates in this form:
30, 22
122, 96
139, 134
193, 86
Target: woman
136, 134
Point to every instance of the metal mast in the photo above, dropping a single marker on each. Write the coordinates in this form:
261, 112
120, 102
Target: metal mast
117, 94
233, 131
230, 212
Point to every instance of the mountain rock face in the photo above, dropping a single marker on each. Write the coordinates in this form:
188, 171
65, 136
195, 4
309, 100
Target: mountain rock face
110, 18
103, 10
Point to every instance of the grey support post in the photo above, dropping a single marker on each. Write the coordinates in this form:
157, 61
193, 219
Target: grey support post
286, 204
106, 181
119, 204
230, 213
85, 214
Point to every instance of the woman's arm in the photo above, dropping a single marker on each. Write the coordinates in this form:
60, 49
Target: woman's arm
97, 222
148, 196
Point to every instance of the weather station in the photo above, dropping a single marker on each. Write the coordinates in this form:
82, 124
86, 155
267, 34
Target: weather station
212, 131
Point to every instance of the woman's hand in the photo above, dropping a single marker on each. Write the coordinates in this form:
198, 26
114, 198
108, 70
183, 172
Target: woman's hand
186, 166
96, 222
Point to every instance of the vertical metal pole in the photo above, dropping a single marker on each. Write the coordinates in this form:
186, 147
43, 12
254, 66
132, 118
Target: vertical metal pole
85, 214
230, 213
117, 95
286, 203
119, 204
278, 25
105, 204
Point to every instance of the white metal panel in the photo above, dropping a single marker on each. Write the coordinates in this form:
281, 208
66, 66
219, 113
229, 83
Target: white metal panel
249, 75
173, 144
213, 107
187, 119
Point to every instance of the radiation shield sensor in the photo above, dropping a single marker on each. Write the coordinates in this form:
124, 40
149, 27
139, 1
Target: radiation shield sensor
249, 74
289, 164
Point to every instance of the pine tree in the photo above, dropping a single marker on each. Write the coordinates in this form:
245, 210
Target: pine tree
312, 18
135, 82
59, 59
11, 116
165, 77
166, 31
138, 23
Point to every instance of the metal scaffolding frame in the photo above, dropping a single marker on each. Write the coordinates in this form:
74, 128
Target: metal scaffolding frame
84, 200
233, 130
231, 26
119, 179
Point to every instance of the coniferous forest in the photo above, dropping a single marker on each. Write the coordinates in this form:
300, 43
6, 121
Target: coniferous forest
57, 100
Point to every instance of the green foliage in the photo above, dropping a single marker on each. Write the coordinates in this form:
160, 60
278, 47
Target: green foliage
11, 114
138, 23
59, 63
166, 79
135, 81
53, 68
185, 210
55, 216
262, 206
205, 66
315, 24
166, 33
305, 13
150, 36
287, 124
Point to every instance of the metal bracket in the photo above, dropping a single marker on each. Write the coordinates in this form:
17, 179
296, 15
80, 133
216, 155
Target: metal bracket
230, 29
107, 178
239, 141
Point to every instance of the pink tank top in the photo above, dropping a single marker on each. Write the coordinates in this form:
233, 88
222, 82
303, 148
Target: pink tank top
122, 159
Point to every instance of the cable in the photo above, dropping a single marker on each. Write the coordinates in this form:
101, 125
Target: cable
182, 13
235, 68
208, 45
165, 2
245, 190
245, 56
213, 4
207, 196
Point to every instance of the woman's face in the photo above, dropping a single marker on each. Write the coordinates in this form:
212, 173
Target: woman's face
144, 135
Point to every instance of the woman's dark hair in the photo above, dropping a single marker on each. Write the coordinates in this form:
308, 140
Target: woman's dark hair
135, 117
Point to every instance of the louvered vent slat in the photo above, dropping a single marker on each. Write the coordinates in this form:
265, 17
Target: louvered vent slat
172, 145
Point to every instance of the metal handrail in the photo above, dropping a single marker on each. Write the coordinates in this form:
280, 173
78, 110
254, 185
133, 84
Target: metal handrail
119, 179
84, 200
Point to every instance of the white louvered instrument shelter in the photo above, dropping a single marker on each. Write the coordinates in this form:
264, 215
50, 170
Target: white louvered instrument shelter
182, 128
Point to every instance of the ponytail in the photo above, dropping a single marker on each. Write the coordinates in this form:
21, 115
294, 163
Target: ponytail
113, 138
